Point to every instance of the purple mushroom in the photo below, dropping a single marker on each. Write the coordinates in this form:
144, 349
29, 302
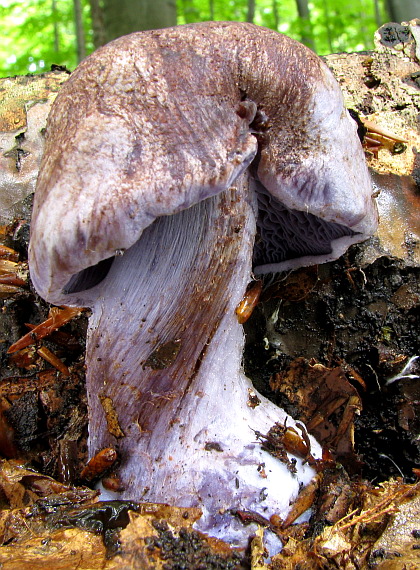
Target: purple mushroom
177, 161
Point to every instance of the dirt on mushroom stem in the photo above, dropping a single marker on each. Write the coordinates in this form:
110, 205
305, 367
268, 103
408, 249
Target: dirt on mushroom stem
165, 349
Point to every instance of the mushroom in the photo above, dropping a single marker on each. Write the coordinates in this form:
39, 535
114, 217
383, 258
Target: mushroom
168, 154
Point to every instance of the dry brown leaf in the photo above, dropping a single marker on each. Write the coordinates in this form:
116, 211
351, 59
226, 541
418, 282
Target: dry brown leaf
326, 400
61, 550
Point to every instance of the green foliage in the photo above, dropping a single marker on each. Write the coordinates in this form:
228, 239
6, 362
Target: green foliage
38, 33
336, 26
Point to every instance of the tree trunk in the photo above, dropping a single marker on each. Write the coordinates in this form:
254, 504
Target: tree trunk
403, 10
80, 32
328, 25
98, 27
276, 16
211, 9
306, 35
55, 25
378, 18
114, 18
251, 11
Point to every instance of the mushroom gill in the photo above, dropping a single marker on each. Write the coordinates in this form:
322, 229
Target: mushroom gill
146, 211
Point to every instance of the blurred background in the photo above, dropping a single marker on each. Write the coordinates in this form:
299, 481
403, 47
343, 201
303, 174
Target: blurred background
39, 33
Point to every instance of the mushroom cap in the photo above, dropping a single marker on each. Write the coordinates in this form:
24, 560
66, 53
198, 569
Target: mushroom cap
157, 121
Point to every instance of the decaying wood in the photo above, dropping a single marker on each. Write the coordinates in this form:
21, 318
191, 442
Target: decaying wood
24, 106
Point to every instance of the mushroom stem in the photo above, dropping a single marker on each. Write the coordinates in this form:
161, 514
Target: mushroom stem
164, 375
